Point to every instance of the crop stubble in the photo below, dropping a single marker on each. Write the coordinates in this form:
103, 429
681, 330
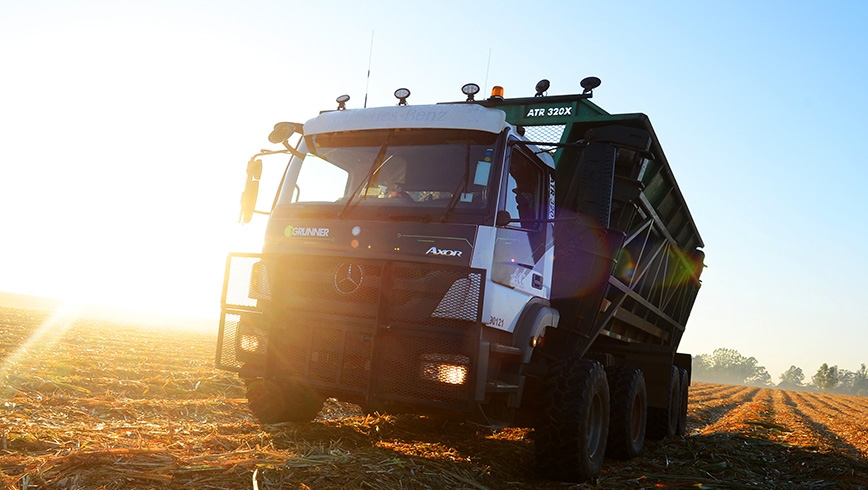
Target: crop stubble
110, 405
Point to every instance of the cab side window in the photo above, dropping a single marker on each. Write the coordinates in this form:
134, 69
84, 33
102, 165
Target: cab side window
524, 191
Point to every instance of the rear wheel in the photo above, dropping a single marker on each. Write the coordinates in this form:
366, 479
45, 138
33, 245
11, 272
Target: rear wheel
627, 416
663, 422
573, 422
684, 384
274, 402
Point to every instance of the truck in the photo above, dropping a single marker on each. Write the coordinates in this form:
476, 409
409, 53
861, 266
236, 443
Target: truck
527, 261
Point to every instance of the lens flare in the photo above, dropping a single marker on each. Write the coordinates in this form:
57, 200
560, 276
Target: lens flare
39, 344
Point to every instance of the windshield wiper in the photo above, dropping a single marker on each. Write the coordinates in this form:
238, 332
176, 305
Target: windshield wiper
375, 166
460, 190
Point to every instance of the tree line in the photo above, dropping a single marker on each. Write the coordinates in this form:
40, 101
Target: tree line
728, 366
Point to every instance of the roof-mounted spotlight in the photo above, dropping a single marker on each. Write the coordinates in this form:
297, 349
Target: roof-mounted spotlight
470, 89
541, 87
401, 94
589, 84
342, 102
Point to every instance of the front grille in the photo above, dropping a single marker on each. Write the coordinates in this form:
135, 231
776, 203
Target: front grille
411, 328
329, 285
417, 294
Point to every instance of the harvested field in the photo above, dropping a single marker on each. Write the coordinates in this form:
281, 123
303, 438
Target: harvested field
95, 404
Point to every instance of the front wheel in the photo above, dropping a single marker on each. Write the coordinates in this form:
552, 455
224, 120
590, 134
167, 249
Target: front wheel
573, 422
273, 402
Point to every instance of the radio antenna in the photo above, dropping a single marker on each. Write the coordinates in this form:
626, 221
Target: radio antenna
368, 81
487, 69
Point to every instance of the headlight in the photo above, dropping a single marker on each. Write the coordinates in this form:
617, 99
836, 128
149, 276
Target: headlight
250, 343
444, 368
250, 340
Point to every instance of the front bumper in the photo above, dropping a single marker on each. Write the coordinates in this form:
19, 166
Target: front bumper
371, 331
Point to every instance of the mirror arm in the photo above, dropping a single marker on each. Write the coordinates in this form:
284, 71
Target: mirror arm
292, 150
288, 149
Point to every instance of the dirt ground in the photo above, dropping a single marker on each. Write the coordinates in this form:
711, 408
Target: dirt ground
98, 404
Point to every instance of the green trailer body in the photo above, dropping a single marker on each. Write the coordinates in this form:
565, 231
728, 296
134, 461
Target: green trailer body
655, 277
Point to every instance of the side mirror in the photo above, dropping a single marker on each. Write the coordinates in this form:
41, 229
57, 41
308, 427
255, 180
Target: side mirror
282, 131
248, 200
254, 169
251, 190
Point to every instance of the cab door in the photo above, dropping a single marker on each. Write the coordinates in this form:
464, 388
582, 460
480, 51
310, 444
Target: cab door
522, 250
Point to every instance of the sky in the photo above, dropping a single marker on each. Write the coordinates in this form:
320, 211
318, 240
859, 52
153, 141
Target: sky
125, 128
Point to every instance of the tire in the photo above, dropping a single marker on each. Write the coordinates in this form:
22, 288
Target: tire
273, 402
663, 422
684, 384
573, 423
627, 413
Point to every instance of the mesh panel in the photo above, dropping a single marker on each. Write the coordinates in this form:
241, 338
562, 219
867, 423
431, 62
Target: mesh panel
238, 284
242, 337
357, 360
434, 297
325, 355
293, 344
315, 352
242, 343
428, 368
226, 357
551, 133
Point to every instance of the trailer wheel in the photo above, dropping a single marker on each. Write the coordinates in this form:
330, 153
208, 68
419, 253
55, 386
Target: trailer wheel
684, 384
627, 416
273, 402
573, 422
663, 422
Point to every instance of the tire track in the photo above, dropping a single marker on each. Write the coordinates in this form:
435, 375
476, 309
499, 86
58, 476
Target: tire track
809, 426
705, 392
725, 411
844, 429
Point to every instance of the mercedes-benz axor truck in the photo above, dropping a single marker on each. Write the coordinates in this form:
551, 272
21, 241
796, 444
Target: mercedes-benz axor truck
507, 260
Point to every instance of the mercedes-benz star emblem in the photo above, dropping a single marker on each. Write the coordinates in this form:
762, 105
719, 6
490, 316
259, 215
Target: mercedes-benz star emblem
348, 277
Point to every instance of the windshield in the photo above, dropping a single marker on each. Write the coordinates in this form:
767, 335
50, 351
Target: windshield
434, 169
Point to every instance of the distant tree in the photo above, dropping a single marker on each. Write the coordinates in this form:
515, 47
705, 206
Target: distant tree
729, 366
846, 380
860, 385
760, 377
853, 383
792, 379
826, 378
702, 367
